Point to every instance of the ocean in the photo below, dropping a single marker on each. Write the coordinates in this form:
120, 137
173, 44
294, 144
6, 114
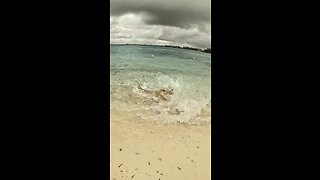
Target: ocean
186, 73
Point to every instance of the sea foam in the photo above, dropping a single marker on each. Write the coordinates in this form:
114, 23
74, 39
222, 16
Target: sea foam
174, 68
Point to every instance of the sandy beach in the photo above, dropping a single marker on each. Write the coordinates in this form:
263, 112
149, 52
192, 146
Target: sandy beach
144, 150
157, 135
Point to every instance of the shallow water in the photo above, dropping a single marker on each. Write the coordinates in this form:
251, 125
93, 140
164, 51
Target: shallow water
155, 68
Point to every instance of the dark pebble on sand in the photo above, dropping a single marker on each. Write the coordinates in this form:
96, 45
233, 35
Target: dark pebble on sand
132, 176
149, 163
120, 165
120, 149
179, 168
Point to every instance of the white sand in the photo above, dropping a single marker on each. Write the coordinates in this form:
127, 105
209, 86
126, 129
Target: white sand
151, 151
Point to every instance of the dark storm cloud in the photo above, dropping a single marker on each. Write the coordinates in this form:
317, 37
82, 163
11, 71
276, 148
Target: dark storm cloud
180, 13
174, 22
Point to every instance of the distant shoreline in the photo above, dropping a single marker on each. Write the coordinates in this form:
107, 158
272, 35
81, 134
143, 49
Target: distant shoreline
206, 50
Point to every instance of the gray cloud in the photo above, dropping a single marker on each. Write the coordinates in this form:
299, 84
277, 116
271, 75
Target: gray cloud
178, 22
181, 13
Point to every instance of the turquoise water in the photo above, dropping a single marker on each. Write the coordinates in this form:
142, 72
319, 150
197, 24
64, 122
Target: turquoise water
155, 68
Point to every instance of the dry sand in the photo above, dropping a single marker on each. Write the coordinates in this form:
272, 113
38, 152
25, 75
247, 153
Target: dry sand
143, 150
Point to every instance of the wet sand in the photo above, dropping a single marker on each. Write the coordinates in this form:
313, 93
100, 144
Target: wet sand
144, 150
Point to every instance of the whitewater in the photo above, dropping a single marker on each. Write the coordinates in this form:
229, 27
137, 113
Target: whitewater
153, 68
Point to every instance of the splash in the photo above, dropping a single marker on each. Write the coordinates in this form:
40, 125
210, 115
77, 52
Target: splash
191, 101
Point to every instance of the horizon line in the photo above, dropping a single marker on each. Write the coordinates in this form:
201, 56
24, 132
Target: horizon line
158, 45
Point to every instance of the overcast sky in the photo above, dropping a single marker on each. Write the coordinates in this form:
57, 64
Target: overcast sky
174, 22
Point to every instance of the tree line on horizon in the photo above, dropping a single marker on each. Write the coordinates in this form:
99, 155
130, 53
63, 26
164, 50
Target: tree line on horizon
206, 50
